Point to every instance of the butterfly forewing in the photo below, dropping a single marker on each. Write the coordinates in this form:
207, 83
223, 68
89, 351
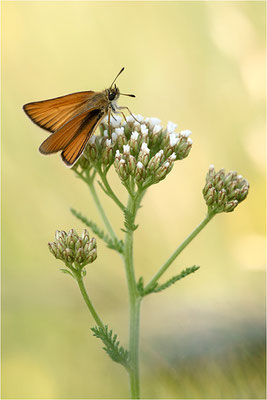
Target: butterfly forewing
54, 113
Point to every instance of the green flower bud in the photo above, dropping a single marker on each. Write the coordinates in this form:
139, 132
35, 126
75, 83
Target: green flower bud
122, 170
163, 171
74, 249
85, 236
80, 255
107, 155
91, 256
144, 154
140, 172
68, 255
155, 162
223, 192
132, 164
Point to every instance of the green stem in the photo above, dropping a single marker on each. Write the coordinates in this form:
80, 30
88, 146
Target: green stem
178, 251
101, 210
87, 300
109, 190
134, 304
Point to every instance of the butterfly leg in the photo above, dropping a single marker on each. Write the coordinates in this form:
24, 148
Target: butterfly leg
126, 108
109, 127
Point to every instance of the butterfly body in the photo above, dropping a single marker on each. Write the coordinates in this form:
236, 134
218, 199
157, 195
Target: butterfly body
72, 119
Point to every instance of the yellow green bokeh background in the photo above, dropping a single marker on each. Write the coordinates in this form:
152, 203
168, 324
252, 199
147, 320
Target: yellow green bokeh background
202, 65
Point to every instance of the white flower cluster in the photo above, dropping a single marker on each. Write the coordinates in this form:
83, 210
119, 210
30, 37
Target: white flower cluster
139, 147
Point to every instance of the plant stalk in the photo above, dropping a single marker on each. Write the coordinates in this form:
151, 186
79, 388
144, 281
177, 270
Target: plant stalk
179, 249
134, 305
87, 300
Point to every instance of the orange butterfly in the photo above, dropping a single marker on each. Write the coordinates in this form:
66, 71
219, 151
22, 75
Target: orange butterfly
73, 118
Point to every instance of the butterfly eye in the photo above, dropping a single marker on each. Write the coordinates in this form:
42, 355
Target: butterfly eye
111, 96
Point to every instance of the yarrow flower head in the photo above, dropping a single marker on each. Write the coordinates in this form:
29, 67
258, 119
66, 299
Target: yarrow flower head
145, 151
223, 192
74, 250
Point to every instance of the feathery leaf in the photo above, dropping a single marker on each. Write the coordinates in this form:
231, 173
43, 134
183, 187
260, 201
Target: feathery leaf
112, 345
112, 244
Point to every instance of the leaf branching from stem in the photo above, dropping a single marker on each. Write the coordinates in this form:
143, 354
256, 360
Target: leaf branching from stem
158, 288
112, 345
112, 244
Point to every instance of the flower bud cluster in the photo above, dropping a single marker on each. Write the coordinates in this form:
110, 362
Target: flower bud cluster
144, 149
72, 248
223, 192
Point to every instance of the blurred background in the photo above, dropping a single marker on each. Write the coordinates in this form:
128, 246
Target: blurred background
201, 65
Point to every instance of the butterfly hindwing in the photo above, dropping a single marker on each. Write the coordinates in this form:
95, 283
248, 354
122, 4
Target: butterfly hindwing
73, 136
75, 148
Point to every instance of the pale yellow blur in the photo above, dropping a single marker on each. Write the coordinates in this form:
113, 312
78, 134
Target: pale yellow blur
201, 65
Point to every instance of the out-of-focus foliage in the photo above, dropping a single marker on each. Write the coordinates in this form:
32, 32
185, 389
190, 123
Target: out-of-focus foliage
201, 65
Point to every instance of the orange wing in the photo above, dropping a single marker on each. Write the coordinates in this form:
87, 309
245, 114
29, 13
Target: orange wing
54, 113
73, 136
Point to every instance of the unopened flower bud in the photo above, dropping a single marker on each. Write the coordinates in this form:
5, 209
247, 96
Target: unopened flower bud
140, 172
131, 164
68, 255
122, 170
155, 162
79, 256
223, 192
91, 256
144, 154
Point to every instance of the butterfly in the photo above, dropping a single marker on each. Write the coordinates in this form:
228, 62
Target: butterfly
72, 119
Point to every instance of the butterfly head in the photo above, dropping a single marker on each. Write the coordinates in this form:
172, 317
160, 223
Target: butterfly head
113, 93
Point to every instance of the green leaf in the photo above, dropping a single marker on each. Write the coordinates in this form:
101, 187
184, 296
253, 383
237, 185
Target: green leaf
111, 345
129, 220
112, 244
66, 271
183, 274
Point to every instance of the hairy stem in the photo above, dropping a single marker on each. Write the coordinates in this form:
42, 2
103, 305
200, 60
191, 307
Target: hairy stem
179, 249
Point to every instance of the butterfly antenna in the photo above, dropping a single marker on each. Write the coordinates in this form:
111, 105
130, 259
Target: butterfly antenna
124, 94
117, 76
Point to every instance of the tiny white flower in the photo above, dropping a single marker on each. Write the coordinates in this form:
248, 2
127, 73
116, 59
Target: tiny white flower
186, 133
173, 139
115, 122
144, 148
211, 166
173, 157
129, 118
166, 164
108, 142
189, 141
92, 139
118, 154
239, 177
119, 131
153, 121
134, 135
126, 149
122, 161
114, 136
105, 133
144, 129
159, 154
139, 165
157, 128
139, 117
171, 126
